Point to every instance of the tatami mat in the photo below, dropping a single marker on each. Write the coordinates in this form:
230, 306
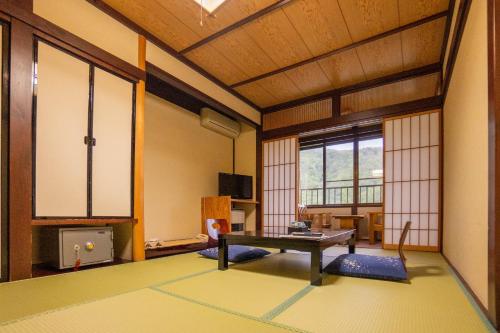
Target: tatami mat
245, 292
140, 311
22, 298
432, 301
187, 293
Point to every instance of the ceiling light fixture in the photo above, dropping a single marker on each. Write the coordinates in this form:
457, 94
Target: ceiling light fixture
209, 5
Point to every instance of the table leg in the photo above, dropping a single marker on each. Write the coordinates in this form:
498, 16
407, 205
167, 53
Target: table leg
352, 244
316, 267
223, 254
282, 250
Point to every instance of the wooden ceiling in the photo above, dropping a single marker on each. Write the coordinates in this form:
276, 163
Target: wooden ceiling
273, 51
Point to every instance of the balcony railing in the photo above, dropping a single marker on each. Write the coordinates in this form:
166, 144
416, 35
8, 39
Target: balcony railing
370, 191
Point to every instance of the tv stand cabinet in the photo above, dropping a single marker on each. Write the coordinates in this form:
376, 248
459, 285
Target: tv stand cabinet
219, 207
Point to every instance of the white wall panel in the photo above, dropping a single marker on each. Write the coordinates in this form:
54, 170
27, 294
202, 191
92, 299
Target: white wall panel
415, 164
424, 130
424, 163
434, 163
397, 166
405, 197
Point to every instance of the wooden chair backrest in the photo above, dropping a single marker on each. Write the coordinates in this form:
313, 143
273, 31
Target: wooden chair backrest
402, 239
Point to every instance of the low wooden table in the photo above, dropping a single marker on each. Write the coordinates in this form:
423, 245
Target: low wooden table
273, 240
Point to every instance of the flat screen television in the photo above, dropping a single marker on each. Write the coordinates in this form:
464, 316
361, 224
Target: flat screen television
236, 186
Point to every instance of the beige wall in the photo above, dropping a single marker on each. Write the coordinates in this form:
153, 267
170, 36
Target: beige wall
181, 164
88, 22
169, 64
465, 230
245, 164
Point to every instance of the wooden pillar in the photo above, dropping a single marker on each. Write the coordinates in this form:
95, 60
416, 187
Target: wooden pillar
20, 153
493, 163
138, 229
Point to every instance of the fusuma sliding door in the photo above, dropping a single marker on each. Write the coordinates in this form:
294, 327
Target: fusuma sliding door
61, 122
83, 138
412, 180
280, 161
112, 154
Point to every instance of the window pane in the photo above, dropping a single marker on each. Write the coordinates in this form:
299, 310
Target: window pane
370, 171
339, 173
311, 176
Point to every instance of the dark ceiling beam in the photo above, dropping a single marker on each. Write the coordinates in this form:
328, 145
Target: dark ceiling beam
168, 49
236, 25
190, 92
343, 49
401, 76
357, 118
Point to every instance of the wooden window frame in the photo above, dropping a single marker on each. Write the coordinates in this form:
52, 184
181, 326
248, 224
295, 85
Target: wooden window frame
355, 138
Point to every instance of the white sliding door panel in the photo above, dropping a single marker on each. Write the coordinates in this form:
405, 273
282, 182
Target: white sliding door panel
112, 154
62, 105
412, 179
279, 186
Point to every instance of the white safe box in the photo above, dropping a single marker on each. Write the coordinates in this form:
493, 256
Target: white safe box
92, 245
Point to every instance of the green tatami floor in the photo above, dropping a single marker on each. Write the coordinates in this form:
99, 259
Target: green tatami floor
187, 293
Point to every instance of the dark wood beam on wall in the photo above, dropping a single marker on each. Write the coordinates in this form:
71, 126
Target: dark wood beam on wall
336, 93
20, 150
187, 90
462, 14
420, 105
236, 25
494, 162
167, 48
451, 8
343, 49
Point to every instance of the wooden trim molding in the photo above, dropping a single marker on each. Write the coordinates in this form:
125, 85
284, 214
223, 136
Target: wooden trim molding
138, 252
412, 247
49, 30
168, 49
466, 286
463, 12
420, 105
236, 25
342, 49
92, 221
493, 163
20, 148
336, 93
171, 80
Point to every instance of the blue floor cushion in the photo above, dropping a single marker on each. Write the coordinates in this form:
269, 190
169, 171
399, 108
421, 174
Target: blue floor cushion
373, 267
236, 253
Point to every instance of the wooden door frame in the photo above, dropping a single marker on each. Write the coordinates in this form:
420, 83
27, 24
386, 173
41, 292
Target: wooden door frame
4, 267
493, 163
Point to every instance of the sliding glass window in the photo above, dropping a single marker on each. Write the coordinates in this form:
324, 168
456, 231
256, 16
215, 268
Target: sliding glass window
342, 173
311, 176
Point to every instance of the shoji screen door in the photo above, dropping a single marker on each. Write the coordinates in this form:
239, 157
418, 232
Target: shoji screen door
412, 177
280, 161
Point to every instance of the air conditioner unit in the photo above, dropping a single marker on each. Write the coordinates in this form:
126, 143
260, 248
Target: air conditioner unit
216, 122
